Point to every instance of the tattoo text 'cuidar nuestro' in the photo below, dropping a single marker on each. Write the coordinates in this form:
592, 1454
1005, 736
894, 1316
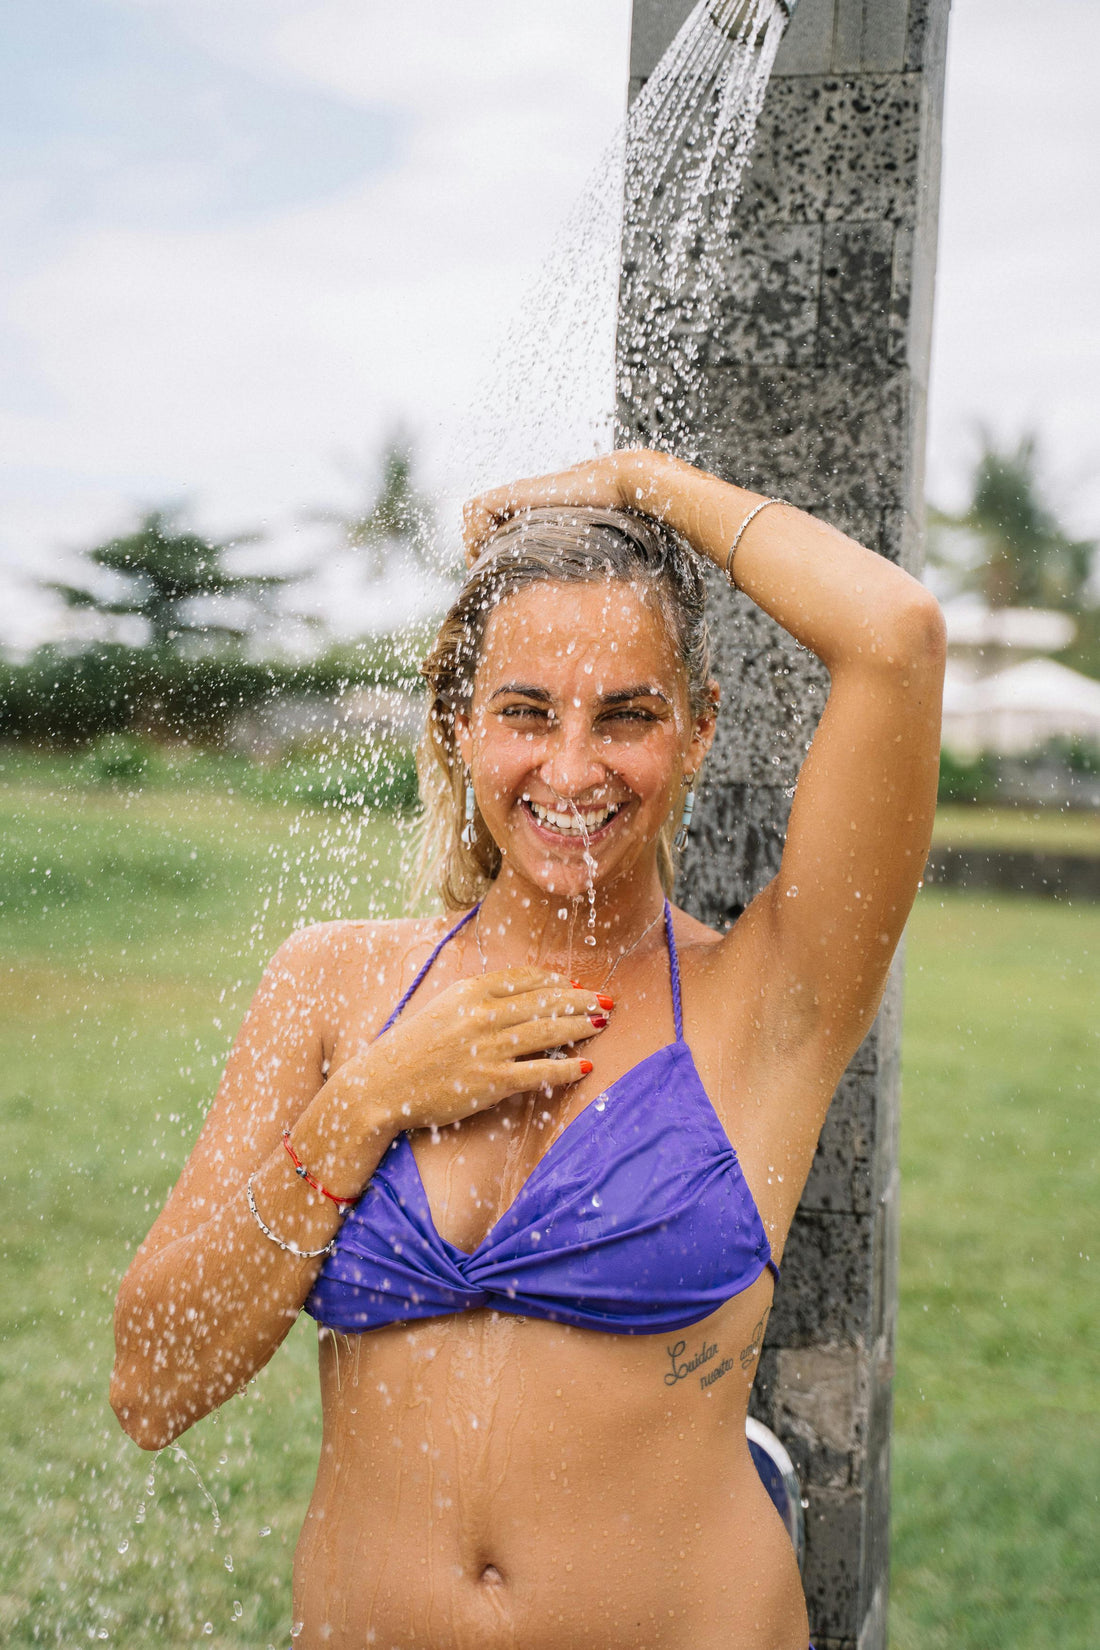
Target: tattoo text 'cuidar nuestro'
682, 1367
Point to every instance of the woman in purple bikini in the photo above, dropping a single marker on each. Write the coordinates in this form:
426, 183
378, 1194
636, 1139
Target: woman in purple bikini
531, 1165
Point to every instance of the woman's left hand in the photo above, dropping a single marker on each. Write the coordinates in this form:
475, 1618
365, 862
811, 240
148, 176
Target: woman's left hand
612, 482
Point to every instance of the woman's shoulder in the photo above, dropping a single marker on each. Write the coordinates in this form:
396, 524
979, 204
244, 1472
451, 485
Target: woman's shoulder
343, 936
323, 950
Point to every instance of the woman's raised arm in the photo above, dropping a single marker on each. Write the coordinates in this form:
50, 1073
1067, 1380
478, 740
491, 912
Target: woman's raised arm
861, 822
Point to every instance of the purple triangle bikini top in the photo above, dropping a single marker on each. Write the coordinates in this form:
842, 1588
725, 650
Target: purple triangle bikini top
637, 1221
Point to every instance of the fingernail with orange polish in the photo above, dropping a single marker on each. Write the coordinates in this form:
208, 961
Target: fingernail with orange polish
586, 1067
605, 1002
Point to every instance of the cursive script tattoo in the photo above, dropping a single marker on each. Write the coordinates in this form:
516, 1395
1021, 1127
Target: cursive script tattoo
750, 1353
716, 1373
680, 1371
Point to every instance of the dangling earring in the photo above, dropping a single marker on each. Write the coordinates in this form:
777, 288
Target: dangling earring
468, 828
681, 836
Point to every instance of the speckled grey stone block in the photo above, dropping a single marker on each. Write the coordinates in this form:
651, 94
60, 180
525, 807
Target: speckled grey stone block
814, 387
769, 314
842, 431
832, 1572
824, 1294
837, 149
841, 1180
864, 295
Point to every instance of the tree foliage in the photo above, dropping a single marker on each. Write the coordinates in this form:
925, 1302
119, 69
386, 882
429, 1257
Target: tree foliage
161, 573
396, 518
1009, 544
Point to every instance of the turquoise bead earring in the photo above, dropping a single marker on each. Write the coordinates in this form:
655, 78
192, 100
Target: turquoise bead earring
468, 827
681, 836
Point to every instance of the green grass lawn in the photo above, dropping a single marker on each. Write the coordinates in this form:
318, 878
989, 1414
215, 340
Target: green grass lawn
1050, 830
133, 930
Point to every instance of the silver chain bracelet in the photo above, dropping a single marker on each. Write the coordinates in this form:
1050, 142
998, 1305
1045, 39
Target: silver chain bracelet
291, 1248
740, 533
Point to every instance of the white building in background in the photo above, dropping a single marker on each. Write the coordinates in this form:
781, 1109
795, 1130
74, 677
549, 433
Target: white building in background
1001, 693
1019, 709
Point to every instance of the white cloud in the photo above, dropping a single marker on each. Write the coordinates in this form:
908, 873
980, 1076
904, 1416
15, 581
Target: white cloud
1017, 334
230, 361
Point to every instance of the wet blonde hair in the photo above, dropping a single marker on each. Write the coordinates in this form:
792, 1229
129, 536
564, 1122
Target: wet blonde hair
573, 546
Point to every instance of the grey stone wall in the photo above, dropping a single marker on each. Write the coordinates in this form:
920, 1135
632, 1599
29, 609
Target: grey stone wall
816, 373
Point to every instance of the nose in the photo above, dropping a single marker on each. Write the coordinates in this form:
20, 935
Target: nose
574, 765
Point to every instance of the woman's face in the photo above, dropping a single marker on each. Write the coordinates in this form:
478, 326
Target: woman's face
580, 707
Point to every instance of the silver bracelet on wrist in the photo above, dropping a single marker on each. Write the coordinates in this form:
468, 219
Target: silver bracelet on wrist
291, 1248
740, 533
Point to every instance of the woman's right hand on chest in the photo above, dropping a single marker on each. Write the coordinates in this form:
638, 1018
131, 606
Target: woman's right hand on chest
478, 1041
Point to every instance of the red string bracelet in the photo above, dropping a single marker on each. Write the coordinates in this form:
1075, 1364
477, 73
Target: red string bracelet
303, 1173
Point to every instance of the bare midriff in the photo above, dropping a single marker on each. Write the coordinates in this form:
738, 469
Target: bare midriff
498, 1483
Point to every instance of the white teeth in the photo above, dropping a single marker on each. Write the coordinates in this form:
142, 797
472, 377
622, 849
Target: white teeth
571, 824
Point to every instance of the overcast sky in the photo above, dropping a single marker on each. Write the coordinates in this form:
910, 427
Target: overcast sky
242, 239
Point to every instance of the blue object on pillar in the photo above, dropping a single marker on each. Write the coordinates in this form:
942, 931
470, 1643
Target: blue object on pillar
779, 1478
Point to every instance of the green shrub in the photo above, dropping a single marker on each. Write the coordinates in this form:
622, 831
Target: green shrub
1076, 753
119, 758
963, 781
61, 697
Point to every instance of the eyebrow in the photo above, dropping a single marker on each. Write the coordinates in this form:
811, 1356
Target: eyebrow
621, 696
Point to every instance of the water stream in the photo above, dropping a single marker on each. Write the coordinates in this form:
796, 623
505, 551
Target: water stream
628, 290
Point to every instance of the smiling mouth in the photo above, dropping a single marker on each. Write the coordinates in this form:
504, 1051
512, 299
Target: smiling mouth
576, 825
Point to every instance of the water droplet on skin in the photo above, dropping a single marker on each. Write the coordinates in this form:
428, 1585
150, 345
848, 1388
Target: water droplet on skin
792, 891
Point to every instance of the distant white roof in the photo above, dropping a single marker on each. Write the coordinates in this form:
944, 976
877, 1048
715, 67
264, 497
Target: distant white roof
970, 623
1038, 685
1018, 709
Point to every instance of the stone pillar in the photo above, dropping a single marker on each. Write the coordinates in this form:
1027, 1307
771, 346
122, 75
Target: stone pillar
816, 369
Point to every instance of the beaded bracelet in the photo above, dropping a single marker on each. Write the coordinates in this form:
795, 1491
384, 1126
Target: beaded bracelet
291, 1248
342, 1203
740, 533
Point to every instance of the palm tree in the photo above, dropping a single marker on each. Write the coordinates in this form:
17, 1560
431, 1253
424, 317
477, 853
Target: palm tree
163, 571
396, 519
1008, 543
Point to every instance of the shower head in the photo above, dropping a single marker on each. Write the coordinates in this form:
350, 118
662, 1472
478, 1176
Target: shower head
731, 15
